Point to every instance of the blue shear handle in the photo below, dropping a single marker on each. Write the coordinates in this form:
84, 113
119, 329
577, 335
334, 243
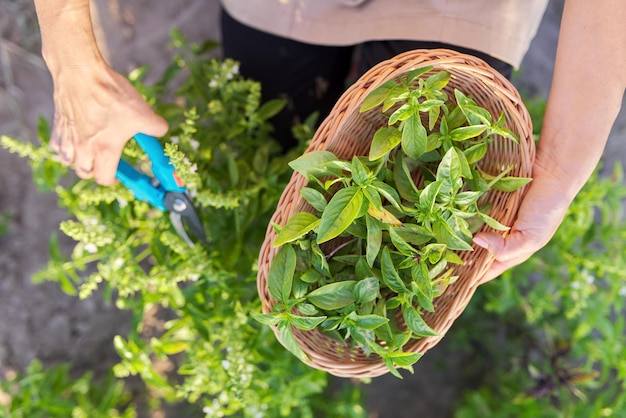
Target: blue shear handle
161, 167
140, 185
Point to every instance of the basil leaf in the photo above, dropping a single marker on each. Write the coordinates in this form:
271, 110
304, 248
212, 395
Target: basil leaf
374, 239
373, 197
399, 340
388, 193
446, 235
428, 196
311, 276
306, 323
467, 132
421, 279
455, 118
402, 113
314, 198
318, 259
281, 273
414, 234
384, 216
402, 359
467, 198
422, 301
333, 296
360, 173
415, 323
377, 96
476, 182
474, 114
362, 269
401, 245
434, 252
341, 211
269, 319
392, 369
312, 163
438, 81
413, 74
449, 171
307, 309
288, 340
394, 95
390, 275
385, 139
466, 170
452, 257
510, 184
475, 153
297, 226
492, 222
370, 322
433, 116
299, 288
366, 290
404, 182
414, 137
441, 284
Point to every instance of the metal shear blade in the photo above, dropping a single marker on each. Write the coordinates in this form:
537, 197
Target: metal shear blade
182, 212
164, 191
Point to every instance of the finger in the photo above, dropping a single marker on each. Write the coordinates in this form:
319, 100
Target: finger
84, 172
517, 244
508, 252
106, 162
158, 126
64, 136
84, 161
152, 124
55, 138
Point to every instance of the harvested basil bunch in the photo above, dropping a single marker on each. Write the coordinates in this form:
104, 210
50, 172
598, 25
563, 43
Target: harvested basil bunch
376, 247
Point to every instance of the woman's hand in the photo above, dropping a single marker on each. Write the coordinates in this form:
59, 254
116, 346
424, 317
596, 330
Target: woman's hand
96, 112
96, 109
585, 98
539, 216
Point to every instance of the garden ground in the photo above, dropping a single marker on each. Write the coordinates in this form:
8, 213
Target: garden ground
39, 321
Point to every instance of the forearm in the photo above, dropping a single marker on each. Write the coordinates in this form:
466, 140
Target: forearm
586, 94
67, 34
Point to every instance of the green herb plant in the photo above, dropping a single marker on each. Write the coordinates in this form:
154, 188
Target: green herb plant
375, 246
54, 393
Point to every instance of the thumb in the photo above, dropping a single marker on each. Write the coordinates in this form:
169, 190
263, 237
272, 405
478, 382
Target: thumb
507, 252
153, 125
138, 116
490, 241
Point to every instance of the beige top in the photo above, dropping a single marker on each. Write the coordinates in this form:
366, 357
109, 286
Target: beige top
501, 28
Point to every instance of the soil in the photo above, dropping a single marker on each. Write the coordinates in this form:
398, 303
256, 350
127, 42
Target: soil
38, 320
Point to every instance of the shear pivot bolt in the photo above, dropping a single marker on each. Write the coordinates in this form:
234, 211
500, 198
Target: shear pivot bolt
179, 205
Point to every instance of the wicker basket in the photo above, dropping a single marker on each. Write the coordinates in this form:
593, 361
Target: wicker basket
347, 132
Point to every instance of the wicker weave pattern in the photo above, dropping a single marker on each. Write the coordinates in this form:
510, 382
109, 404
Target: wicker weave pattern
347, 132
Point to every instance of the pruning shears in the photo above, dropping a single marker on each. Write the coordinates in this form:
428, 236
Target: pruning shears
164, 191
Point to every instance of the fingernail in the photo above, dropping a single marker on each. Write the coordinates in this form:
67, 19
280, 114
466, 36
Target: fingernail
481, 242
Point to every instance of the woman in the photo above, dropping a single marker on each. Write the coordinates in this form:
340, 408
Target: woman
97, 110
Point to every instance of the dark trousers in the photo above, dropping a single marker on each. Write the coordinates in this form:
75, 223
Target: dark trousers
312, 77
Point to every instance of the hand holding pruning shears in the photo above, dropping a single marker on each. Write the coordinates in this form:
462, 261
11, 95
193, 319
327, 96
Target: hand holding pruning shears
164, 191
